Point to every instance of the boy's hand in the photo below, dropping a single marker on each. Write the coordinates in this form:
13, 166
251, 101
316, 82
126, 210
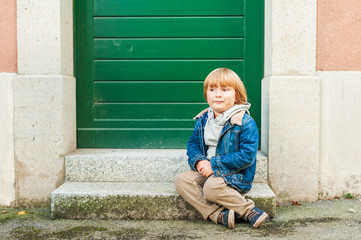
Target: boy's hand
204, 167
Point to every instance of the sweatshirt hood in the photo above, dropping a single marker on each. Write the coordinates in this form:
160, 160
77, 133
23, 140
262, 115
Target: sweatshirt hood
226, 115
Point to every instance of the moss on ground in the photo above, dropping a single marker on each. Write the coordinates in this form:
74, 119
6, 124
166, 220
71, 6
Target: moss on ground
266, 204
72, 233
7, 214
124, 207
128, 233
137, 207
282, 228
37, 224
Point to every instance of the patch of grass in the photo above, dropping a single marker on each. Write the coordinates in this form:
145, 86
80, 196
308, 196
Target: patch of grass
9, 214
26, 233
349, 196
166, 236
82, 231
30, 232
276, 228
30, 213
5, 217
128, 233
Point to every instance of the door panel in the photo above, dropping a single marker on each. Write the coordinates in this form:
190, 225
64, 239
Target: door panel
147, 110
175, 48
177, 91
168, 27
140, 66
156, 70
167, 7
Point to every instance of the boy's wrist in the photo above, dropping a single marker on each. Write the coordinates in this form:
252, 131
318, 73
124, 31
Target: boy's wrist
203, 159
200, 160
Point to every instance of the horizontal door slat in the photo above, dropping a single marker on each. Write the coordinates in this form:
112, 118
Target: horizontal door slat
148, 92
168, 48
143, 123
133, 138
147, 110
150, 70
169, 27
167, 7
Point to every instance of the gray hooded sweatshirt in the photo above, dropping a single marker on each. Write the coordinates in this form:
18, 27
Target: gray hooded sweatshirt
214, 126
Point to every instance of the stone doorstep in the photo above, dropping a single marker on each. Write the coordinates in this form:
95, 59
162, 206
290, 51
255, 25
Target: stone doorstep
136, 200
144, 165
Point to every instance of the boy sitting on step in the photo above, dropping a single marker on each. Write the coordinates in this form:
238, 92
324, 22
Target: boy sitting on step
222, 154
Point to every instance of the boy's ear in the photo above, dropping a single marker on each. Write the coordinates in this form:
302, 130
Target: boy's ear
237, 118
200, 114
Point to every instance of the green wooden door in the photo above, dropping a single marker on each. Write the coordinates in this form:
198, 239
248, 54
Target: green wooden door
140, 66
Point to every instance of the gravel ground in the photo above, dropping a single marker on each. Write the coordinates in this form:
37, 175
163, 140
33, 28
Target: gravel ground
333, 219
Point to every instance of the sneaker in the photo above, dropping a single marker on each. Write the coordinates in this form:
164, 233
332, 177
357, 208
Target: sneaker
226, 217
256, 217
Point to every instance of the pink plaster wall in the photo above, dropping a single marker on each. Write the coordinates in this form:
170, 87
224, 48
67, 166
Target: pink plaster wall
339, 35
8, 46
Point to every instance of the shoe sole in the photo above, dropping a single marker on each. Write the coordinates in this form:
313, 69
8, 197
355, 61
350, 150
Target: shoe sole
260, 220
231, 219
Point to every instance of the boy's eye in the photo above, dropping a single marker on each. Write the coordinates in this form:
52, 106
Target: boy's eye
211, 89
224, 89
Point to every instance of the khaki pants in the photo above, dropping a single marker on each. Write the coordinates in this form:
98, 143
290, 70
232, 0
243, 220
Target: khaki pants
211, 195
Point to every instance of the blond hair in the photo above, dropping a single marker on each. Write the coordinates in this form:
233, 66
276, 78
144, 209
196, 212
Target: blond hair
225, 77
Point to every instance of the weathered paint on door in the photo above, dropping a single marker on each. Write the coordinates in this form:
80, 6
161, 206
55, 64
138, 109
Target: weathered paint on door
140, 66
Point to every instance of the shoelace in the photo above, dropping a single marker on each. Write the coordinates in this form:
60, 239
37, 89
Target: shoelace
252, 214
220, 217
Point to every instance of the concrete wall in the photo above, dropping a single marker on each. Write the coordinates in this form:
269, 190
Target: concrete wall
8, 68
7, 166
44, 98
339, 69
340, 165
291, 99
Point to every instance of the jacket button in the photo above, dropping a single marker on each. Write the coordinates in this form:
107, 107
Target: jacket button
218, 173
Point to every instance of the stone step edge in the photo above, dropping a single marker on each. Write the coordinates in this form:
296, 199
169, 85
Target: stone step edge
131, 153
136, 200
117, 165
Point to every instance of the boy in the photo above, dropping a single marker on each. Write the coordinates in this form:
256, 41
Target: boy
222, 154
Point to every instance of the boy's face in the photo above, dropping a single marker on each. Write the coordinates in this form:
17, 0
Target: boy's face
220, 98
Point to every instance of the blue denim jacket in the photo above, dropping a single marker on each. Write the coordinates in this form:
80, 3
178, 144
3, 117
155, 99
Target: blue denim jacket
236, 151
